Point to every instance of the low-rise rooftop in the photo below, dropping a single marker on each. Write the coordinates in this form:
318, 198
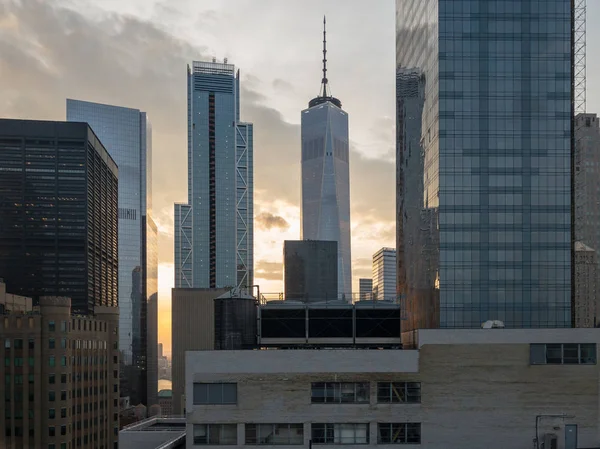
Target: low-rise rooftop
157, 432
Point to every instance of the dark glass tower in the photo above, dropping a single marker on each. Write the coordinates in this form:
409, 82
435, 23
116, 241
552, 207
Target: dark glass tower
326, 177
127, 136
59, 213
485, 135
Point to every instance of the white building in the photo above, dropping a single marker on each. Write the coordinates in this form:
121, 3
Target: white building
384, 274
467, 389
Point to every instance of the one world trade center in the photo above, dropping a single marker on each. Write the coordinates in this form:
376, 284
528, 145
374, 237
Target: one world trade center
325, 176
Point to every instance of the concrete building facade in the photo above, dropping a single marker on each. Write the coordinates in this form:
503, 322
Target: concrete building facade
310, 270
449, 392
60, 376
586, 307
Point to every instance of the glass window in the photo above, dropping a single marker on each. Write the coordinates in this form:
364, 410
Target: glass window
18, 343
63, 412
63, 326
218, 393
51, 326
51, 378
63, 395
51, 361
398, 433
399, 392
63, 361
340, 392
563, 354
51, 396
279, 434
51, 343
31, 343
51, 431
7, 343
215, 434
347, 433
51, 413
63, 343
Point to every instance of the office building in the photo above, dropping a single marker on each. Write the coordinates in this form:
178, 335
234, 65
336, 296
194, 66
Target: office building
325, 176
365, 288
165, 401
58, 203
384, 274
427, 397
214, 230
127, 136
484, 147
192, 329
60, 375
310, 270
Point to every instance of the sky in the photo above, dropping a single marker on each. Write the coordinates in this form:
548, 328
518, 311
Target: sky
134, 53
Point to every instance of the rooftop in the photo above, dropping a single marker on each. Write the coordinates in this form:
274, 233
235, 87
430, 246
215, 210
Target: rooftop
156, 432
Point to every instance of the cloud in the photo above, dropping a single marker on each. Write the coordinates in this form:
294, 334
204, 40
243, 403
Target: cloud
282, 85
267, 220
271, 271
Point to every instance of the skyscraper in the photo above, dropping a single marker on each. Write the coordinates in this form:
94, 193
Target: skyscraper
214, 229
127, 135
384, 274
326, 176
365, 288
58, 209
485, 134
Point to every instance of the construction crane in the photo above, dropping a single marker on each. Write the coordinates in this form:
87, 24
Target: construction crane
579, 56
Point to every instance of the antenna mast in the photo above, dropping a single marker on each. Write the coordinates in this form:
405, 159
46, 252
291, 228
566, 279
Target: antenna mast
324, 80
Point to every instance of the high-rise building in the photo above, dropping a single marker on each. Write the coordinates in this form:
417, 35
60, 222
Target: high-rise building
365, 288
310, 270
127, 135
326, 176
60, 375
484, 151
384, 274
586, 307
214, 229
59, 209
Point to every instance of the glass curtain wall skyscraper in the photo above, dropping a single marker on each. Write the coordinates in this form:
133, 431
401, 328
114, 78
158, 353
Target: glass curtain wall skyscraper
214, 230
485, 135
326, 176
127, 135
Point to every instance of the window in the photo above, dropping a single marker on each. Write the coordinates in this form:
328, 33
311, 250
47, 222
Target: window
563, 354
399, 392
340, 392
351, 433
63, 378
63, 395
31, 361
215, 393
399, 433
63, 430
63, 326
279, 434
51, 396
18, 361
63, 412
51, 326
51, 379
63, 361
7, 343
51, 446
215, 434
51, 343
51, 413
18, 343
63, 343
18, 379
51, 431
31, 343
52, 361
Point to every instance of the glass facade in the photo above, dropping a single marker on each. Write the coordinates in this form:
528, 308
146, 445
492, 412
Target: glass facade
325, 182
214, 230
127, 135
58, 203
485, 134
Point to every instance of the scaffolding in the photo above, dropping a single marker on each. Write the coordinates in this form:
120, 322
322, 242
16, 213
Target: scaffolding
579, 55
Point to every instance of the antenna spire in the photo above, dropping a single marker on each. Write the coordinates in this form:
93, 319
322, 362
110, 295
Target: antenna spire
324, 80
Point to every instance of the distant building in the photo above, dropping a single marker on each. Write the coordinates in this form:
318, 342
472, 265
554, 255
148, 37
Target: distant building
384, 274
214, 230
59, 213
165, 401
586, 311
427, 397
60, 375
310, 270
326, 177
365, 287
127, 136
